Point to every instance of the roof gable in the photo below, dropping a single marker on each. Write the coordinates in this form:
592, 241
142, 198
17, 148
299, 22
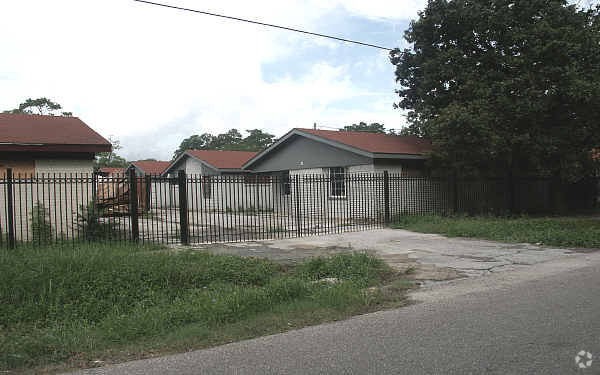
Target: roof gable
223, 159
151, 166
217, 160
49, 133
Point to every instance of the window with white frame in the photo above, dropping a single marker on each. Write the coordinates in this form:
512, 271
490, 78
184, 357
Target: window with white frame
337, 183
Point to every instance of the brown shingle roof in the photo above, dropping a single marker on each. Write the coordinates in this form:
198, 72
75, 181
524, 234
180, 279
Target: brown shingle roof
376, 142
48, 133
151, 166
223, 159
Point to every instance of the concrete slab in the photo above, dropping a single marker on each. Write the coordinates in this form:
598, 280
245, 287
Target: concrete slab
429, 256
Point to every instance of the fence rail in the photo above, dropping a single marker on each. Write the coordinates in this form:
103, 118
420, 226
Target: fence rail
191, 209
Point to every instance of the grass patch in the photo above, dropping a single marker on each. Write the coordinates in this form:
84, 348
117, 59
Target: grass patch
66, 307
549, 231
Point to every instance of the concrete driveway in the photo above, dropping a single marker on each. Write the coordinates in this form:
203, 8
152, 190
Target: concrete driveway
429, 256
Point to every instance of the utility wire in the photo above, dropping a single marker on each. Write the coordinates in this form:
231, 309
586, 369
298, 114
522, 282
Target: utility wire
264, 24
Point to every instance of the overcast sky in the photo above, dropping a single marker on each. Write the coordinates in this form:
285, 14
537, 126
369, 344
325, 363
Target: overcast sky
152, 76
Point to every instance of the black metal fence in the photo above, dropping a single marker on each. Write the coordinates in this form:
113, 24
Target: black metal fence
189, 209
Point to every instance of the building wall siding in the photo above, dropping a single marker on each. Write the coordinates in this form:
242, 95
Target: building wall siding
193, 167
47, 166
51, 166
231, 193
366, 168
313, 198
22, 167
61, 198
364, 192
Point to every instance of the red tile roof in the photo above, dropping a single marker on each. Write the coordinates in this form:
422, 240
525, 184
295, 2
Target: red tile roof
223, 159
376, 142
151, 166
48, 133
112, 170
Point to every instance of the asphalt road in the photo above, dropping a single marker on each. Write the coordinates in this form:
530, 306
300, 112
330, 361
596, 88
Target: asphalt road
531, 321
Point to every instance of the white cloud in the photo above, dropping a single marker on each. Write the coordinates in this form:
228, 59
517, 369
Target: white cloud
384, 9
153, 76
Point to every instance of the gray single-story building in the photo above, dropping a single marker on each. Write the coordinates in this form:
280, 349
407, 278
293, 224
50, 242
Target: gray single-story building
335, 165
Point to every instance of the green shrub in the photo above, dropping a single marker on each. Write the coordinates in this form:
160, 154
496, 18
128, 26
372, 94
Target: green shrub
93, 228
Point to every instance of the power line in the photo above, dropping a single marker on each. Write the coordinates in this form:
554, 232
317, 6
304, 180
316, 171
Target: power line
263, 24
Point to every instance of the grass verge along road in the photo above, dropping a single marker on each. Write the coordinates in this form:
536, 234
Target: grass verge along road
66, 307
548, 231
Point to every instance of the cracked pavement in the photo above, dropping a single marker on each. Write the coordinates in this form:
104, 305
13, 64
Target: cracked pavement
430, 257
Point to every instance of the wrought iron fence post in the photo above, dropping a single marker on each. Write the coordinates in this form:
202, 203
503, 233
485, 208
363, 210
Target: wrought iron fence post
386, 196
9, 209
133, 206
148, 190
183, 208
94, 186
298, 213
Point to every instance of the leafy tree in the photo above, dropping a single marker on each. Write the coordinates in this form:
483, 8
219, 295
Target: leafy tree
40, 106
111, 159
364, 127
195, 142
507, 86
12, 111
231, 141
257, 140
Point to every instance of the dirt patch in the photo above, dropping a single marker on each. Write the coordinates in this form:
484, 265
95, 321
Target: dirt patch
426, 256
297, 253
289, 255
